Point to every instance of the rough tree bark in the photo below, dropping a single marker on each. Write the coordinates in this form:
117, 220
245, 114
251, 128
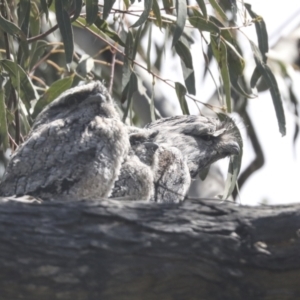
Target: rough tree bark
125, 250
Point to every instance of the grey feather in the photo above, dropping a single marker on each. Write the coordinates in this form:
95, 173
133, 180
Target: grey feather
74, 150
202, 140
171, 175
152, 172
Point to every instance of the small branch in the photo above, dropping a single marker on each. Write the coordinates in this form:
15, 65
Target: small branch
167, 81
42, 35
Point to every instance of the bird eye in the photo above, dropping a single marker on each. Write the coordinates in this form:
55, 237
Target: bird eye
206, 138
71, 100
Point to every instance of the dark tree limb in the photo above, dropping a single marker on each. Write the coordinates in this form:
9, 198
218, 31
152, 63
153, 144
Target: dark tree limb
129, 250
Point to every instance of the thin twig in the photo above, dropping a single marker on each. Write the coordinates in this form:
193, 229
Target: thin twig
167, 81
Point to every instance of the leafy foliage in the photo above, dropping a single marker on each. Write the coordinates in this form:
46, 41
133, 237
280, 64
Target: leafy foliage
36, 67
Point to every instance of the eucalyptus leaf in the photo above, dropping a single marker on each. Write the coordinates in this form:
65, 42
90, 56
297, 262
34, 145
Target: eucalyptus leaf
104, 28
157, 14
4, 141
35, 27
184, 53
261, 32
149, 47
108, 4
270, 80
20, 81
181, 92
145, 13
218, 9
255, 77
23, 15
132, 88
220, 54
55, 90
126, 70
11, 28
91, 11
77, 9
45, 9
168, 4
189, 79
202, 6
65, 27
181, 11
204, 25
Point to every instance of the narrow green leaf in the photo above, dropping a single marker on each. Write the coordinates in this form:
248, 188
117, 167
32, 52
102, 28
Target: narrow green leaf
232, 175
132, 88
218, 9
204, 25
44, 7
157, 14
36, 54
23, 15
181, 11
184, 53
108, 4
202, 6
149, 47
126, 70
220, 53
77, 9
187, 65
181, 92
271, 82
65, 27
145, 13
234, 80
189, 79
11, 28
35, 21
91, 11
261, 32
168, 4
3, 121
20, 81
137, 41
35, 27
100, 27
57, 88
255, 77
234, 162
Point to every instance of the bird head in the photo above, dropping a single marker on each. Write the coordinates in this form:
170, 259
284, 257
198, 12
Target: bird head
92, 96
202, 140
142, 145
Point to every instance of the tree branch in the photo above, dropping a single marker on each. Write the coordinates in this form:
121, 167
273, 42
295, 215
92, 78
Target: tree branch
129, 250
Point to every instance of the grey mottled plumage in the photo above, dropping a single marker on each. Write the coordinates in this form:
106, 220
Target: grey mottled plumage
202, 140
152, 172
171, 175
73, 151
136, 176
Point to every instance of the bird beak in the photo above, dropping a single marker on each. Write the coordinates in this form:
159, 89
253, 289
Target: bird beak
151, 146
235, 148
